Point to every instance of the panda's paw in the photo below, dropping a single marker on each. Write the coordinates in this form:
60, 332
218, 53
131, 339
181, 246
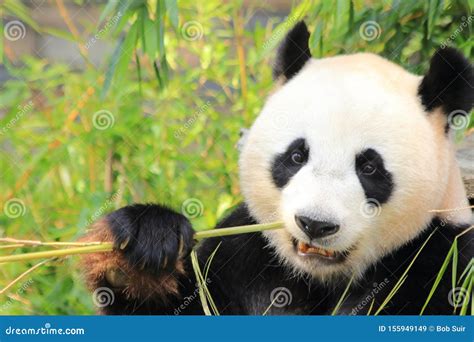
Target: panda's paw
151, 237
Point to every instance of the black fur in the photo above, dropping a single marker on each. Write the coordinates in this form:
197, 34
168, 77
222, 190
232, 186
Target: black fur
148, 232
244, 272
284, 167
379, 185
293, 52
449, 83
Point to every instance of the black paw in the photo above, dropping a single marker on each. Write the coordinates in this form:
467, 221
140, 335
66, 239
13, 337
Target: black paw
152, 237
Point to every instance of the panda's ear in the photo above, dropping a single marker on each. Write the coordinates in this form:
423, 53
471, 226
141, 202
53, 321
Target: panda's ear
449, 83
293, 52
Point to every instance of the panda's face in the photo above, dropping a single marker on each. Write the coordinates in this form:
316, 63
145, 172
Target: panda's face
345, 155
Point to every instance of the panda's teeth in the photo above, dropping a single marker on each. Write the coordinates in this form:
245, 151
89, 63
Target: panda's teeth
305, 249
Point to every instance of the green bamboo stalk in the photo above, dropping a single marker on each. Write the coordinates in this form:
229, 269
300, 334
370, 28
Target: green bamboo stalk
252, 228
103, 247
108, 246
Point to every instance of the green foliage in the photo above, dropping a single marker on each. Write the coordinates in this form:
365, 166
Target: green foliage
159, 122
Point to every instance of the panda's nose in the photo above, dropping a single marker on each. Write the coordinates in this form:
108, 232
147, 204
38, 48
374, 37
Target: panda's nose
316, 229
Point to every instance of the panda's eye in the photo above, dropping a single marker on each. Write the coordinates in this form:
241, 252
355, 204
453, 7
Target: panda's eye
297, 157
368, 169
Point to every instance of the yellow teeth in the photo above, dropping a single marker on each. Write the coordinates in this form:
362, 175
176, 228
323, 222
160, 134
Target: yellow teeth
305, 249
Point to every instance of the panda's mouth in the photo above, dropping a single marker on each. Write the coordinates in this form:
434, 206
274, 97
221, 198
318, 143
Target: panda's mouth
306, 250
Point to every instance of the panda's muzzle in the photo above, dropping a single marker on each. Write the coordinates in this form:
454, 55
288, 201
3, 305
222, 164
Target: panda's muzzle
306, 250
316, 229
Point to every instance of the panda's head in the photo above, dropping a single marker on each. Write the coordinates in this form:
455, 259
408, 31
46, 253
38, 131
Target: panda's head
352, 153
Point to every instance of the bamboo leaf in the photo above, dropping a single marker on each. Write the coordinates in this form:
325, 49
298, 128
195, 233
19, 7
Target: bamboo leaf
172, 9
404, 275
120, 59
455, 263
342, 298
469, 268
139, 73
441, 272
467, 297
109, 74
108, 9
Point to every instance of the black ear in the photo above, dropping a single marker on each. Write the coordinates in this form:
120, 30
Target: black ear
293, 52
449, 83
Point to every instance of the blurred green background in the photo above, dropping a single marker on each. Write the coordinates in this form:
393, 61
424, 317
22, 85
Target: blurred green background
107, 103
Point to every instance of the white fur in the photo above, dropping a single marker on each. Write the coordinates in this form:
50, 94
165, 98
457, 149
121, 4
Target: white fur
341, 106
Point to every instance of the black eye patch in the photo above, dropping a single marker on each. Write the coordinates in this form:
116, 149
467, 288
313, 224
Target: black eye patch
376, 181
288, 163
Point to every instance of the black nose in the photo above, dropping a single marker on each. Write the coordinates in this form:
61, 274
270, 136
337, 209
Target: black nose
316, 229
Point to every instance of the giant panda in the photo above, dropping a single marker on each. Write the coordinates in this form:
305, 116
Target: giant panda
354, 155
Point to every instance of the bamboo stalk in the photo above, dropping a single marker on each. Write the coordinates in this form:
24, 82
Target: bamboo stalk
103, 247
36, 243
204, 234
95, 247
21, 276
12, 246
